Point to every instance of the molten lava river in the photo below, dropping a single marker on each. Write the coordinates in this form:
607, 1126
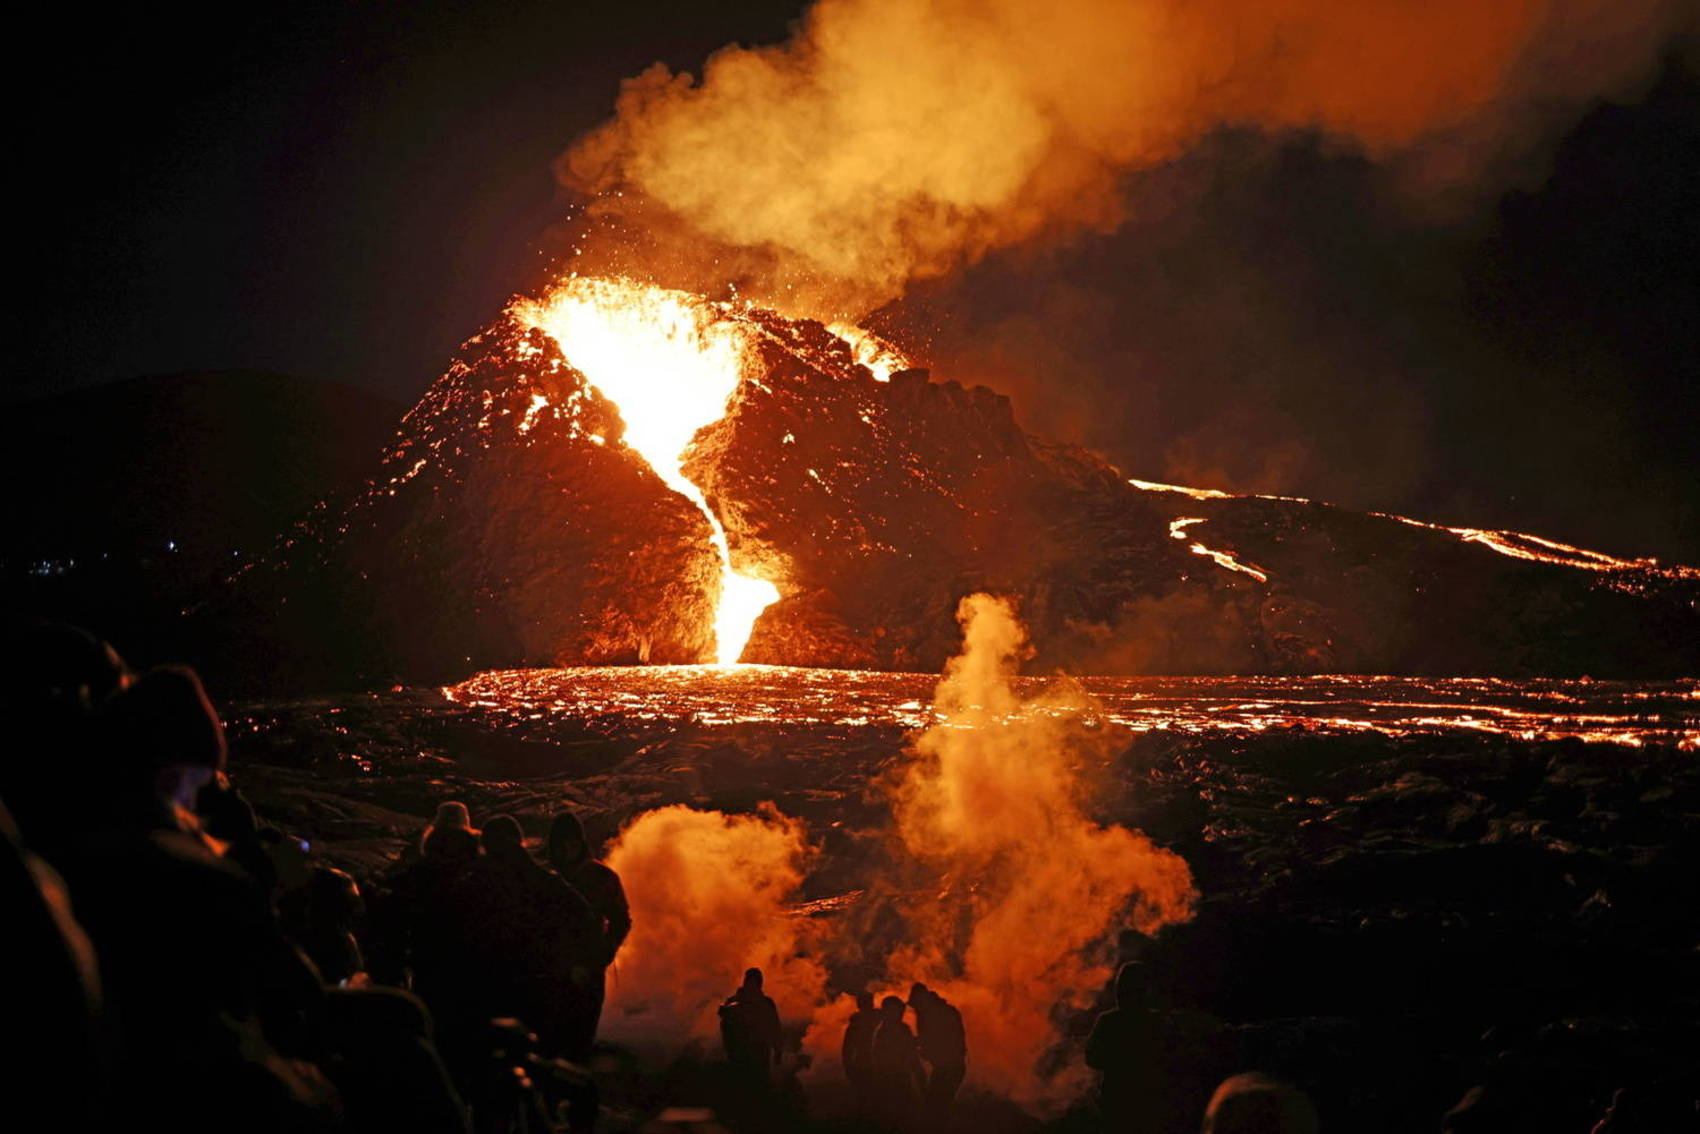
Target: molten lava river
1615, 712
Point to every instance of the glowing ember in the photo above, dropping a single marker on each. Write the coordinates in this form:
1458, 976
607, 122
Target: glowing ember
669, 361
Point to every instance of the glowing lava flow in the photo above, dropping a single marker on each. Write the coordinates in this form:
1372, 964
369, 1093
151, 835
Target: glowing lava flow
1522, 545
669, 361
1178, 529
1517, 545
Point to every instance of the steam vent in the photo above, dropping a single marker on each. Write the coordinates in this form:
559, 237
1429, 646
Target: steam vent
616, 474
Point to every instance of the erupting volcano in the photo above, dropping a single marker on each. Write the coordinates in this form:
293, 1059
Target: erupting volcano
823, 570
618, 473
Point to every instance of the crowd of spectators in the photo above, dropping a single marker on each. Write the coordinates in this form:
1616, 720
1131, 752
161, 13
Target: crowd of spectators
187, 968
182, 966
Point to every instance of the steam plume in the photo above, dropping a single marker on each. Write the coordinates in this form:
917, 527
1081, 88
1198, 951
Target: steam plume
707, 893
994, 807
1019, 883
897, 139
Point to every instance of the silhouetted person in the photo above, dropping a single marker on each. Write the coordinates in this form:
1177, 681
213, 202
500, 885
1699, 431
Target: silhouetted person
540, 940
386, 1066
319, 917
1123, 1046
600, 887
750, 1033
898, 1078
857, 1051
1253, 1103
1158, 1064
1131, 947
944, 1046
210, 1003
54, 680
428, 927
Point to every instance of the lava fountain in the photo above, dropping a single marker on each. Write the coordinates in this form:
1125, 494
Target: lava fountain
669, 361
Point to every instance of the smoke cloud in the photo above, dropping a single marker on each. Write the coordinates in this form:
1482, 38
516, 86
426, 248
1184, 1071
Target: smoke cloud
893, 140
1006, 890
708, 895
994, 808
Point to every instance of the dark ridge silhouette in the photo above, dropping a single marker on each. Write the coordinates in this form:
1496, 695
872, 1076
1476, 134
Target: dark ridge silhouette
126, 499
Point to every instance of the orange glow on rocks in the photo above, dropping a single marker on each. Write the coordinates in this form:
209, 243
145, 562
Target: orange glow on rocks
669, 361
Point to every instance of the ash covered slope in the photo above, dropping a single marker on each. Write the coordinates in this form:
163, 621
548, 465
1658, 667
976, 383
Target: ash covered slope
507, 525
879, 504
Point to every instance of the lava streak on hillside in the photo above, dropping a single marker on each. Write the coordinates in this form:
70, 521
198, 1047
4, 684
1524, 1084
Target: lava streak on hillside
670, 362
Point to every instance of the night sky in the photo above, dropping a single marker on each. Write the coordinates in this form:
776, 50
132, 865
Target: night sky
347, 191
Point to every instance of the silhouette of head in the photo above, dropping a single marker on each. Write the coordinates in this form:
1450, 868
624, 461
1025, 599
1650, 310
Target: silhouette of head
503, 838
55, 667
54, 678
162, 733
919, 994
451, 834
567, 845
752, 979
334, 894
1133, 987
892, 1008
1254, 1103
864, 1001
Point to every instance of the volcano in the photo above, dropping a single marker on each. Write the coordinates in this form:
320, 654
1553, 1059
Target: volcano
617, 474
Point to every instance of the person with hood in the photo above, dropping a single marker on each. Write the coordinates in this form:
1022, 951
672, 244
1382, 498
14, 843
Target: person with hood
750, 1033
599, 886
898, 1077
426, 928
944, 1046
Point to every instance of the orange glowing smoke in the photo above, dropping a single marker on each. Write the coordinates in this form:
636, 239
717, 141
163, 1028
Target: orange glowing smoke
669, 361
708, 895
992, 808
994, 805
894, 139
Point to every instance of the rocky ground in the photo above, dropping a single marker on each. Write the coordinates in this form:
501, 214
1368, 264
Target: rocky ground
1388, 920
